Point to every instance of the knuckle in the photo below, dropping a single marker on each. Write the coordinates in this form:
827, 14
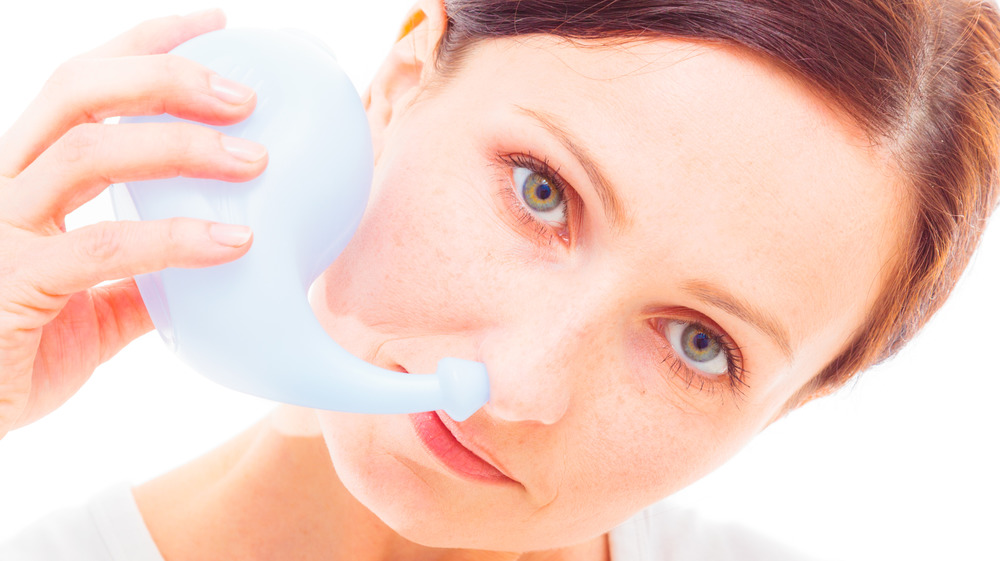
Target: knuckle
9, 268
183, 140
173, 66
102, 242
173, 242
154, 26
180, 79
65, 77
144, 27
81, 142
173, 234
68, 89
167, 22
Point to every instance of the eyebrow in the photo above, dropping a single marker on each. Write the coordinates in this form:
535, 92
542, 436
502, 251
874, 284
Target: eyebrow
614, 209
764, 322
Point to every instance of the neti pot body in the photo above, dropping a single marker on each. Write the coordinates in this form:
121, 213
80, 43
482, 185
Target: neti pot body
248, 324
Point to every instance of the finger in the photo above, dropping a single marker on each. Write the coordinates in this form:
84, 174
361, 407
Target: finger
92, 156
104, 251
98, 323
90, 90
160, 35
121, 314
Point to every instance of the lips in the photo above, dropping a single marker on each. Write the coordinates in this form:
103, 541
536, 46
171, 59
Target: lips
441, 443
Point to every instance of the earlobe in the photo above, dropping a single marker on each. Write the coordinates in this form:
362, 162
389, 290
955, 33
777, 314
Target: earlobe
406, 68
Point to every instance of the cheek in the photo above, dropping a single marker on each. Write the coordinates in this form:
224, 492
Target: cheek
412, 264
360, 446
647, 451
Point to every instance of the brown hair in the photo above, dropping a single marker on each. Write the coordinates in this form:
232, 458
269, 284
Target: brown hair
921, 77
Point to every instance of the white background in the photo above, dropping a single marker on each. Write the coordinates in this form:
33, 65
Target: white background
901, 465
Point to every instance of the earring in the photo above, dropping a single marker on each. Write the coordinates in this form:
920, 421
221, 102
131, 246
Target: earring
411, 22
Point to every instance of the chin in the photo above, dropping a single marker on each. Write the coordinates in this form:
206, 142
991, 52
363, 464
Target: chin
377, 460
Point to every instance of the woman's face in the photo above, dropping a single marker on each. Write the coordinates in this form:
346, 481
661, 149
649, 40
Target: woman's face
651, 247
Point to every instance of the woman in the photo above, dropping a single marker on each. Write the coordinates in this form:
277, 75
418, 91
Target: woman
701, 234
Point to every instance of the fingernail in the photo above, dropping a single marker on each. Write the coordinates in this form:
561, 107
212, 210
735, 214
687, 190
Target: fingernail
244, 149
230, 91
230, 234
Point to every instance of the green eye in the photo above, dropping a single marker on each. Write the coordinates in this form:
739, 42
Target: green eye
539, 196
699, 347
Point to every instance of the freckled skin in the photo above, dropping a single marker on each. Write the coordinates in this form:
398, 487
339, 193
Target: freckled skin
731, 172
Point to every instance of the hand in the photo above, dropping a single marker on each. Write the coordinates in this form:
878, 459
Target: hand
56, 324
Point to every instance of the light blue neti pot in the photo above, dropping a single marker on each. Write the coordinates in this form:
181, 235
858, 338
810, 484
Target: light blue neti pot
248, 324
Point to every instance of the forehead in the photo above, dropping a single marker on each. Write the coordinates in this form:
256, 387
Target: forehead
732, 171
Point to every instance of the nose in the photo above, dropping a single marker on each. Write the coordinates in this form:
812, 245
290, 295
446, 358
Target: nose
537, 364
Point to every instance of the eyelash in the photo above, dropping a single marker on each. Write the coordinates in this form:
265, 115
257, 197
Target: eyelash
542, 167
734, 380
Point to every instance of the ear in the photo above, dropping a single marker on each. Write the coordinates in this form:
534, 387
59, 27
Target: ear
406, 68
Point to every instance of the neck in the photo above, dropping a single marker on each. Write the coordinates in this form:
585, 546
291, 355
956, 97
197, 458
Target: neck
273, 490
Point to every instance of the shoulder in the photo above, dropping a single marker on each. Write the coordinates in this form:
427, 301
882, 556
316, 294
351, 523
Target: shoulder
664, 531
108, 528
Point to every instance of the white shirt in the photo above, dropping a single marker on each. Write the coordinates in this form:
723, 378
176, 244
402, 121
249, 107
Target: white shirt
110, 528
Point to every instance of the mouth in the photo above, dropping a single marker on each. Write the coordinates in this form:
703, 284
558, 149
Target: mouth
442, 443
